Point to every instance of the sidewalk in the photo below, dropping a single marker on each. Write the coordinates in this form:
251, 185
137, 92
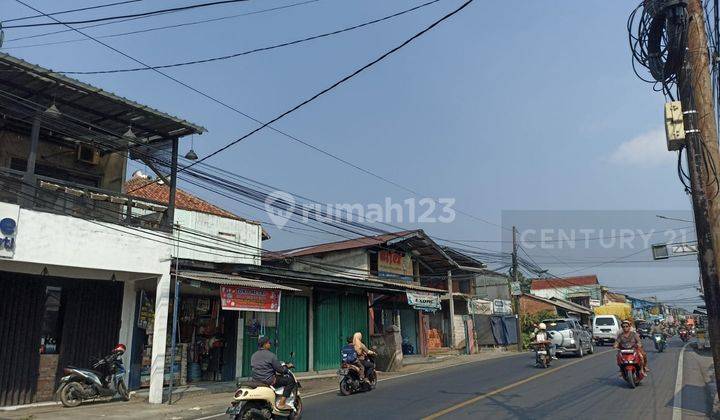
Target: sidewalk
204, 403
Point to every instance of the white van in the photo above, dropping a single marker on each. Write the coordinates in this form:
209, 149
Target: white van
605, 329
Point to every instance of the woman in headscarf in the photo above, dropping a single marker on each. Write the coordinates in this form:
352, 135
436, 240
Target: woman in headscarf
362, 353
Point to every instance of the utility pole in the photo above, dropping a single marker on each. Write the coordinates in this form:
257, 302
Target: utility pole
451, 307
696, 93
515, 303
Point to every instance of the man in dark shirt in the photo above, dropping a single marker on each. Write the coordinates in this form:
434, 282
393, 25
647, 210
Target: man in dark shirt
266, 368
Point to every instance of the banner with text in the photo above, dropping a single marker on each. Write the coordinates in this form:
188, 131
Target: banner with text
238, 298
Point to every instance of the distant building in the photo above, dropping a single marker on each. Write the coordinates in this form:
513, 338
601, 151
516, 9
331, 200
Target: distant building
582, 290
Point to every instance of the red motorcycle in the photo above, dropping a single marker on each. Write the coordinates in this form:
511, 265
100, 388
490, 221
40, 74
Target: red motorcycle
629, 362
684, 336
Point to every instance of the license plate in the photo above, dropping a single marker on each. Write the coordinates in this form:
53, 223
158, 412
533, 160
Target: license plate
233, 410
541, 352
342, 372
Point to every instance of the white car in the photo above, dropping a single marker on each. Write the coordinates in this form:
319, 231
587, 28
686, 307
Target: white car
605, 329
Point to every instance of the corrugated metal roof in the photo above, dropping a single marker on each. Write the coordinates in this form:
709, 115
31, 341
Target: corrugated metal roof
232, 280
89, 103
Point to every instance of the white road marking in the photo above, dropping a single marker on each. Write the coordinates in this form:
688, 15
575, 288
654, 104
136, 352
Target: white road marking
677, 399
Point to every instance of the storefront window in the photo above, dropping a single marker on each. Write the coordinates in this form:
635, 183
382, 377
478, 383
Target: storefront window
50, 336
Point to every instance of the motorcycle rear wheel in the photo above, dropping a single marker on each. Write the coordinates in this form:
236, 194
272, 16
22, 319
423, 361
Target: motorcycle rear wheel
69, 394
345, 387
249, 409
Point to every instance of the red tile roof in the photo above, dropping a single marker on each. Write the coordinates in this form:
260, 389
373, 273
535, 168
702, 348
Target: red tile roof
152, 190
538, 284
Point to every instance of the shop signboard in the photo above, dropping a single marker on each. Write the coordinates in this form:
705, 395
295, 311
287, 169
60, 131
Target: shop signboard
238, 298
502, 307
395, 264
480, 307
594, 303
515, 288
8, 229
423, 300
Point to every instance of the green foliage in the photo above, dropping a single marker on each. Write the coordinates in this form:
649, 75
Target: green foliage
528, 323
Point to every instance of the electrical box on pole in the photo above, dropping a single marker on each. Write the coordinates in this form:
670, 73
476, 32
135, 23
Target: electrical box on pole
674, 125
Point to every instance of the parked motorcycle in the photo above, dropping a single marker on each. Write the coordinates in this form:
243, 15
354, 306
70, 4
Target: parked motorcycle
349, 376
684, 336
104, 379
629, 363
660, 341
256, 400
542, 353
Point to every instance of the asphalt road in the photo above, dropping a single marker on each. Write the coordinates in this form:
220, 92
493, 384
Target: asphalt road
512, 387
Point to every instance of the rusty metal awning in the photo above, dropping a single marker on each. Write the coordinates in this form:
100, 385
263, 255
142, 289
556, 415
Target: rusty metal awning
232, 280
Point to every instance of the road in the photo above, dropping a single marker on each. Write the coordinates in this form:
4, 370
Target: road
507, 387
513, 388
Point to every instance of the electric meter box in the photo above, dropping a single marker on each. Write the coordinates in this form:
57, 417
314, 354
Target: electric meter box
674, 126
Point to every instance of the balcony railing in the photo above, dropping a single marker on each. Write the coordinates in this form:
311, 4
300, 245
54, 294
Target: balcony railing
71, 199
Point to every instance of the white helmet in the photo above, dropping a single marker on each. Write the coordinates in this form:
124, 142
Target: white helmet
542, 326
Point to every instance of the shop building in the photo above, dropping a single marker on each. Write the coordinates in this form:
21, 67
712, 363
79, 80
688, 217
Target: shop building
72, 248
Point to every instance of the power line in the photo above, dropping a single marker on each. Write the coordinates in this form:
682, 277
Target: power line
82, 9
256, 50
146, 30
103, 19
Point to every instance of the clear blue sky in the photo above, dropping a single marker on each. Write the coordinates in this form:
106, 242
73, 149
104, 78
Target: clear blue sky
508, 105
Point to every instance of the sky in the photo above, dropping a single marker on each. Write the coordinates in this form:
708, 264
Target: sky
508, 105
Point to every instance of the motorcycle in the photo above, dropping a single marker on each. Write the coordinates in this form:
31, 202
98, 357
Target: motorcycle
659, 340
349, 376
104, 379
629, 363
256, 400
542, 353
684, 336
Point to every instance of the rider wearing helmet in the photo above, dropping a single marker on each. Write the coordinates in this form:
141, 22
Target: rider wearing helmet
542, 335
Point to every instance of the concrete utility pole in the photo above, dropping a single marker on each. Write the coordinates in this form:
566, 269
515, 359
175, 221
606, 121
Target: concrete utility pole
696, 94
515, 303
451, 307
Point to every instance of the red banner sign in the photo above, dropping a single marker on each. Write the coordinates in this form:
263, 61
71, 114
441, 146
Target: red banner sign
237, 298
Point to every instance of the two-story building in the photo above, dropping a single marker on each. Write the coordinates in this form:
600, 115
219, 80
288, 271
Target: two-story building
72, 249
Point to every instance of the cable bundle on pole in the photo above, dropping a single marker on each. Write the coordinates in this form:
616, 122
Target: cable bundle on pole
657, 31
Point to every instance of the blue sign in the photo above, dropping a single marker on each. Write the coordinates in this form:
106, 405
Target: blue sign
8, 226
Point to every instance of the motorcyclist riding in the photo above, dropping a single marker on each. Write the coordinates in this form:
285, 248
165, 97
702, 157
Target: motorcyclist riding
541, 335
659, 328
266, 368
629, 339
362, 353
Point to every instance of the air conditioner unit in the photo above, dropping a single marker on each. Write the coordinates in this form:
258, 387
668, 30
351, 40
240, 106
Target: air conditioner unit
88, 154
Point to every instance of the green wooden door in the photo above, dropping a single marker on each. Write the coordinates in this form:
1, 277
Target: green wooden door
293, 331
354, 317
250, 346
327, 337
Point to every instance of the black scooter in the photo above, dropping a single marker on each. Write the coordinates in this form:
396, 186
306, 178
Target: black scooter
349, 375
104, 379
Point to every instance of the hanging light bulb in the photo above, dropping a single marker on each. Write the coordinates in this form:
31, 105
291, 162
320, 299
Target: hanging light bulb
53, 110
191, 155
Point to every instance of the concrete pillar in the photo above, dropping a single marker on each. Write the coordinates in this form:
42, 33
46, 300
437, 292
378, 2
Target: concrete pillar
159, 342
127, 323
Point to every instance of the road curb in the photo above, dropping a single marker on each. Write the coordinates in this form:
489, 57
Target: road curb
712, 395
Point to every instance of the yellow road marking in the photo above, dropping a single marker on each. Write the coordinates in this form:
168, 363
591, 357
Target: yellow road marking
505, 388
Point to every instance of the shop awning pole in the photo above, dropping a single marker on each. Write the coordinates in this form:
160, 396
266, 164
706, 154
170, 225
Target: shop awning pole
174, 334
175, 318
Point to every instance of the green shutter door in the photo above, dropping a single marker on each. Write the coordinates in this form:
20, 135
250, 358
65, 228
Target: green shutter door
354, 317
293, 331
326, 338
